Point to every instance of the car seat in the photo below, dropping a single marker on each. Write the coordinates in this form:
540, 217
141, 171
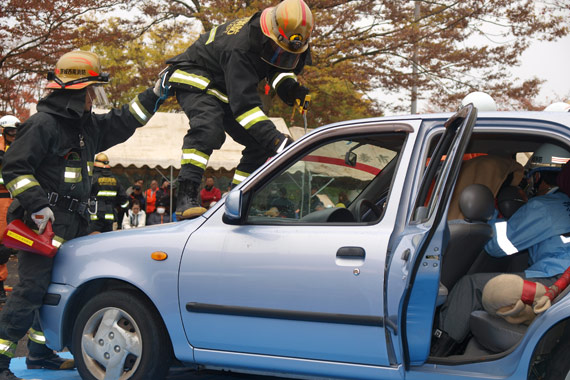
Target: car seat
489, 170
467, 236
496, 334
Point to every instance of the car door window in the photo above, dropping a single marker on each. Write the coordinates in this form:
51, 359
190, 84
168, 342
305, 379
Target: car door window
323, 185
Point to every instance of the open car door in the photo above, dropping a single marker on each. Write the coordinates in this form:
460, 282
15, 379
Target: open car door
412, 281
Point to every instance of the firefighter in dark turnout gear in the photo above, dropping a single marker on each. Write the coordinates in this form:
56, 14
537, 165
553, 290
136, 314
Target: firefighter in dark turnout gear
108, 194
48, 169
216, 79
9, 125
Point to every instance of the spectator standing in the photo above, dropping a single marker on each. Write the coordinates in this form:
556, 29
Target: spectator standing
210, 193
138, 182
135, 217
150, 197
137, 195
164, 194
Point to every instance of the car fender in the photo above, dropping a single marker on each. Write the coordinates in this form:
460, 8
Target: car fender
113, 256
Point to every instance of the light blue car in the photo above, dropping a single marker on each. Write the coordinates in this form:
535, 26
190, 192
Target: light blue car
325, 263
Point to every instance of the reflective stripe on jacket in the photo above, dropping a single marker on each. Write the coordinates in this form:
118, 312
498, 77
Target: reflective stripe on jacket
538, 226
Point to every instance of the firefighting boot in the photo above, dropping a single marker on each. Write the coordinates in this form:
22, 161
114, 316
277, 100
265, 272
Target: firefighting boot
53, 362
5, 373
187, 205
442, 344
3, 296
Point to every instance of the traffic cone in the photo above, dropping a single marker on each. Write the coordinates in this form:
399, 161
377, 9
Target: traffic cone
19, 236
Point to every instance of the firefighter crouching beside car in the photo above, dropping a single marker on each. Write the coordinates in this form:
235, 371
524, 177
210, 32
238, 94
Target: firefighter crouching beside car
216, 81
108, 194
9, 125
48, 170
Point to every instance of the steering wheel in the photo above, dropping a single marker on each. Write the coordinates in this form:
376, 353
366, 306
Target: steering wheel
367, 205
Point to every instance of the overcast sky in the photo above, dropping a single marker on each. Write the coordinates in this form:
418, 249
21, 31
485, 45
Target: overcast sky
549, 61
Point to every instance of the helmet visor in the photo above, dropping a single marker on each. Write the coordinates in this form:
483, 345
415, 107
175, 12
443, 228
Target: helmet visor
98, 96
277, 56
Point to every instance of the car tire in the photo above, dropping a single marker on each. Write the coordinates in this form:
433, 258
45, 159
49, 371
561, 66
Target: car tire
120, 335
558, 365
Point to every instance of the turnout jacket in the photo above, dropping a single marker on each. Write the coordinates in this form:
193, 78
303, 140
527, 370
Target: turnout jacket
541, 226
54, 149
109, 194
225, 62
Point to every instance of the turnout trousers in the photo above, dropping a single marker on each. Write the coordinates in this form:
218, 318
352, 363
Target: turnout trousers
21, 311
466, 297
210, 119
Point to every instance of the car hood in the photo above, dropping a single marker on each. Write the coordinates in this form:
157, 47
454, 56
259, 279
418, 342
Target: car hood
120, 253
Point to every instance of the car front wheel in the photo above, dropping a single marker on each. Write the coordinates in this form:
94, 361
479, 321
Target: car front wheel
118, 335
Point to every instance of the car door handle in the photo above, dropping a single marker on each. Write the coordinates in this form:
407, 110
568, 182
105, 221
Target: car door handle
350, 253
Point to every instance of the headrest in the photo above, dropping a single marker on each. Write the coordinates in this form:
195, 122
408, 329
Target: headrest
509, 200
477, 203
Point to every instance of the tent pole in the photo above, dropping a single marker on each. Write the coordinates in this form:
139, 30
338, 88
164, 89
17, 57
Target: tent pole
171, 186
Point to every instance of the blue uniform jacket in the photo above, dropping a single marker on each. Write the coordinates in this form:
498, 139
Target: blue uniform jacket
538, 226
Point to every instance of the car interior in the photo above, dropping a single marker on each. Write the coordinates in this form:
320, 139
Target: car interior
487, 182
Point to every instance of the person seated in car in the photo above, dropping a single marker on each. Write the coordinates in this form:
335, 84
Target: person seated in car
539, 226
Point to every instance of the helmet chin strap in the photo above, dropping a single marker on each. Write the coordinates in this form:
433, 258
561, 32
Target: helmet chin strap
91, 103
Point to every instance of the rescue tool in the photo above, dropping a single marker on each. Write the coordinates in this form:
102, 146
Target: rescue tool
19, 236
303, 108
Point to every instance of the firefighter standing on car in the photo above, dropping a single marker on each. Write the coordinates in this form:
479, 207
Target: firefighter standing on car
48, 170
9, 125
216, 81
108, 195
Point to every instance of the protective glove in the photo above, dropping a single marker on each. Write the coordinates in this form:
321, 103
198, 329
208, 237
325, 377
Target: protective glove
298, 93
290, 90
282, 143
162, 89
42, 217
162, 86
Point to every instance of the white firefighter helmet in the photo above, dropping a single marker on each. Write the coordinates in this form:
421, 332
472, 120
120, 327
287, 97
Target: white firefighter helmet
9, 121
481, 100
548, 156
545, 164
558, 107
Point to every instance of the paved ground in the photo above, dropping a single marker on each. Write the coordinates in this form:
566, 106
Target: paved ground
18, 365
19, 368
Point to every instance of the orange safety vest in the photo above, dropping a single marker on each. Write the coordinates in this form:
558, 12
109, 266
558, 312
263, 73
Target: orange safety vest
150, 200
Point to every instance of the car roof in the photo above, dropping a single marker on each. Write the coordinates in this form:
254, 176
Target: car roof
489, 128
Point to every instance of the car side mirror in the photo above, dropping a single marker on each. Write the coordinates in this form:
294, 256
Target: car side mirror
233, 203
350, 158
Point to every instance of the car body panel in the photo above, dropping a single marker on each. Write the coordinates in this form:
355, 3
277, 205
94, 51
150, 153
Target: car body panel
111, 258
275, 299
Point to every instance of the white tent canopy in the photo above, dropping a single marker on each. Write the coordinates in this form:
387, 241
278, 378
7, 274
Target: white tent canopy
159, 144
